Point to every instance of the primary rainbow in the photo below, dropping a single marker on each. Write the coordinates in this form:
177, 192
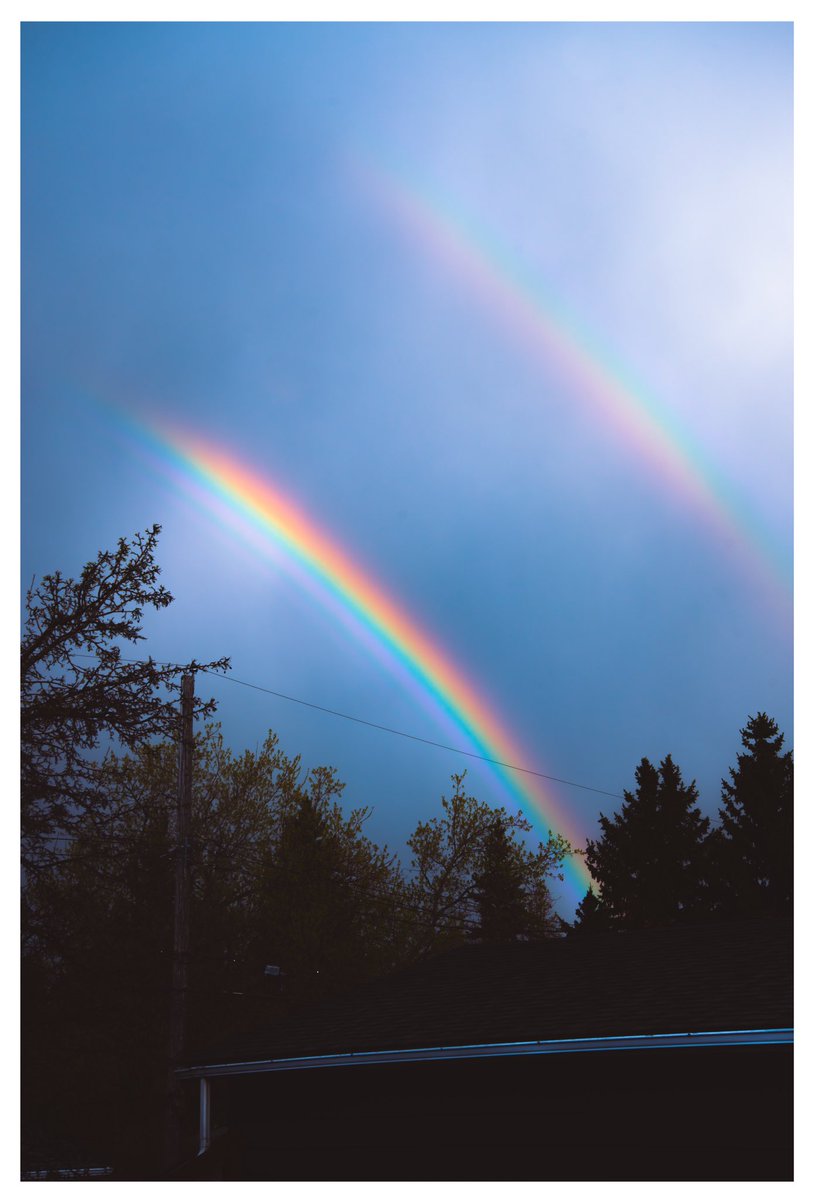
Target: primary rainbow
220, 482
537, 321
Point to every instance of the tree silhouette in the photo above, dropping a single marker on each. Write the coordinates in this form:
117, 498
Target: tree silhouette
326, 894
466, 863
649, 861
752, 852
77, 690
590, 916
499, 891
280, 876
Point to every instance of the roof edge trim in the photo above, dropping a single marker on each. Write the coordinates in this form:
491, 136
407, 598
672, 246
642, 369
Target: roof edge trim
644, 1041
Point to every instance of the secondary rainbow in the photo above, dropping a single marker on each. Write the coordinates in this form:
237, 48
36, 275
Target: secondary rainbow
216, 478
538, 322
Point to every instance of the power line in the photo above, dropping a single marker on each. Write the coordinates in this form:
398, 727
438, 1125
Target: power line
333, 712
415, 738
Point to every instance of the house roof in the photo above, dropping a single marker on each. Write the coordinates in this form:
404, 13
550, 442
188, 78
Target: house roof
695, 978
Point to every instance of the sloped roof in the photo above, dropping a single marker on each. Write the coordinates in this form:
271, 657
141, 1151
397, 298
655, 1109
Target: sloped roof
721, 976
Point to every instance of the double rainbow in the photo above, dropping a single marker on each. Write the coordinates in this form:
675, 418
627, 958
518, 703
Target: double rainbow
260, 511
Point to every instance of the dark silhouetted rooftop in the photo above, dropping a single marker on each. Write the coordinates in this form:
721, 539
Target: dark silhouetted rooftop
694, 978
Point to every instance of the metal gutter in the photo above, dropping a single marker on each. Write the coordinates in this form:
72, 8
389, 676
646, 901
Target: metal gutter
646, 1041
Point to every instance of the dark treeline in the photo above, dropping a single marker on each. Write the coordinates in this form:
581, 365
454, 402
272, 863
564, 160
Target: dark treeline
282, 873
281, 876
659, 861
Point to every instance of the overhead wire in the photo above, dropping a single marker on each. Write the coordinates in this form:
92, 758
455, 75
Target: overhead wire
413, 737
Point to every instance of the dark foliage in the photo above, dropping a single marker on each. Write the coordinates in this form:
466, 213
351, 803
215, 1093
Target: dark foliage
499, 890
649, 862
77, 690
327, 897
590, 916
280, 876
468, 863
752, 852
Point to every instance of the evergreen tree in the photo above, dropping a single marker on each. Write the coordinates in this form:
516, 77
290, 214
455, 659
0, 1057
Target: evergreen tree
649, 861
327, 894
468, 864
590, 916
753, 849
500, 896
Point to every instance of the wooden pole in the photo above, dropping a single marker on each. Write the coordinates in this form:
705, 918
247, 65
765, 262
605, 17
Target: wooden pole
181, 924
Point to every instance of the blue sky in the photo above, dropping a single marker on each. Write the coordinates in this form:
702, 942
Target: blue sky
198, 241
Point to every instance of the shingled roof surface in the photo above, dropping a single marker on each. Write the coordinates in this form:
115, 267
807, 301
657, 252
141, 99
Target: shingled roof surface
683, 979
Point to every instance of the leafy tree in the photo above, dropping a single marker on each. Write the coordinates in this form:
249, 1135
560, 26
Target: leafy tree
649, 862
468, 864
753, 850
77, 690
279, 875
327, 894
97, 960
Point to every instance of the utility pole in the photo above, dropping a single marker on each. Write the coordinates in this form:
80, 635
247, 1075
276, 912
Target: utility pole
181, 932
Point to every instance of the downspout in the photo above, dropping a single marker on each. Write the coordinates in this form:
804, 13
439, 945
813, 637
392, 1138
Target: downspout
205, 1116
